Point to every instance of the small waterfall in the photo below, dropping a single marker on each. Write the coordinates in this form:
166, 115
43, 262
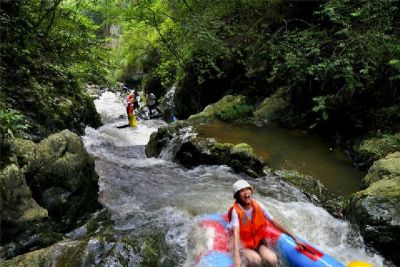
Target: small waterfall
168, 105
172, 148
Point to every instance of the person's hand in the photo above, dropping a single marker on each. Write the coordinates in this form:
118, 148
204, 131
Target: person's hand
299, 243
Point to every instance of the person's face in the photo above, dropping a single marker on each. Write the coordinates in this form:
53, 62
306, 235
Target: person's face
245, 195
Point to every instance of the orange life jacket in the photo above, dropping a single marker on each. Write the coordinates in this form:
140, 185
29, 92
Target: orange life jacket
129, 107
251, 231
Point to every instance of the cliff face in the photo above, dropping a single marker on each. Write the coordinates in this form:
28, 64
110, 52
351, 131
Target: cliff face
45, 189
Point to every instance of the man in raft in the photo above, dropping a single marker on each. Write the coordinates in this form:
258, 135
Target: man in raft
248, 218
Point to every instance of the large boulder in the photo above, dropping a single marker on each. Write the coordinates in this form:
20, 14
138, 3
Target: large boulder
60, 174
376, 210
18, 208
45, 190
229, 108
159, 140
180, 143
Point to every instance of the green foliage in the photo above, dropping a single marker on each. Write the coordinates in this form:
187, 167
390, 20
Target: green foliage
49, 49
395, 63
235, 112
321, 106
12, 120
339, 60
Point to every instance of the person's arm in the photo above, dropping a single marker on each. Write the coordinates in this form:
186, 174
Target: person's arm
236, 240
234, 224
284, 230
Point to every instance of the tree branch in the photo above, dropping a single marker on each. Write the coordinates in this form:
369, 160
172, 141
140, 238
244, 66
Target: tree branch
157, 28
52, 9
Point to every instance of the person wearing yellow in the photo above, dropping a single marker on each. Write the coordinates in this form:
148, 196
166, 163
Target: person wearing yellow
130, 110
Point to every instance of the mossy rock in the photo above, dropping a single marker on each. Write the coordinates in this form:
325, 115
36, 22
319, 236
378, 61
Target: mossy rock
376, 210
18, 206
386, 168
229, 108
242, 148
60, 164
5, 149
191, 150
369, 150
272, 107
41, 257
385, 188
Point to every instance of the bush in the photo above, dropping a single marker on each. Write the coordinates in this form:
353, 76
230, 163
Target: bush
12, 120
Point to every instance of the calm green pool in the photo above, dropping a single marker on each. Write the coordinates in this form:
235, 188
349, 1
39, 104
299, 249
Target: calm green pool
292, 150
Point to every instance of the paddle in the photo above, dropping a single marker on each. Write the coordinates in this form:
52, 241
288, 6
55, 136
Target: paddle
122, 126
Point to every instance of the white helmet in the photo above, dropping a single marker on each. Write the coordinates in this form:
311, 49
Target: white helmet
239, 185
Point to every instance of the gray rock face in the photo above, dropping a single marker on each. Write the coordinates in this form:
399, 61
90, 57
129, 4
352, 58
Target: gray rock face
376, 210
190, 150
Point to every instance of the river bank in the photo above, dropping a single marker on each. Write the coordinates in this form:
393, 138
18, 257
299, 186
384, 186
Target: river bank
152, 203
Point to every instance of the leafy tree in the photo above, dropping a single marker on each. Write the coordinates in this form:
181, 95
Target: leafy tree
48, 49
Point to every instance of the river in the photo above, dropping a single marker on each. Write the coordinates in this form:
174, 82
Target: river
293, 150
154, 197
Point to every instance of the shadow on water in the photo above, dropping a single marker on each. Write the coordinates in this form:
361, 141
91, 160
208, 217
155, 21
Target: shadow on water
292, 150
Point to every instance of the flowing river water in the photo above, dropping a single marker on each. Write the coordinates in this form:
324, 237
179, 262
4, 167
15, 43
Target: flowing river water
150, 197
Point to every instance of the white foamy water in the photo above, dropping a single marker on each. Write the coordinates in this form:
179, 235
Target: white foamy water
110, 106
147, 195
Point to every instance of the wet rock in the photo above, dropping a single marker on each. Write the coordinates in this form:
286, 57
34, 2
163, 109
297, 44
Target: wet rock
93, 244
43, 257
160, 139
60, 174
191, 150
314, 190
26, 243
45, 190
54, 198
376, 210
